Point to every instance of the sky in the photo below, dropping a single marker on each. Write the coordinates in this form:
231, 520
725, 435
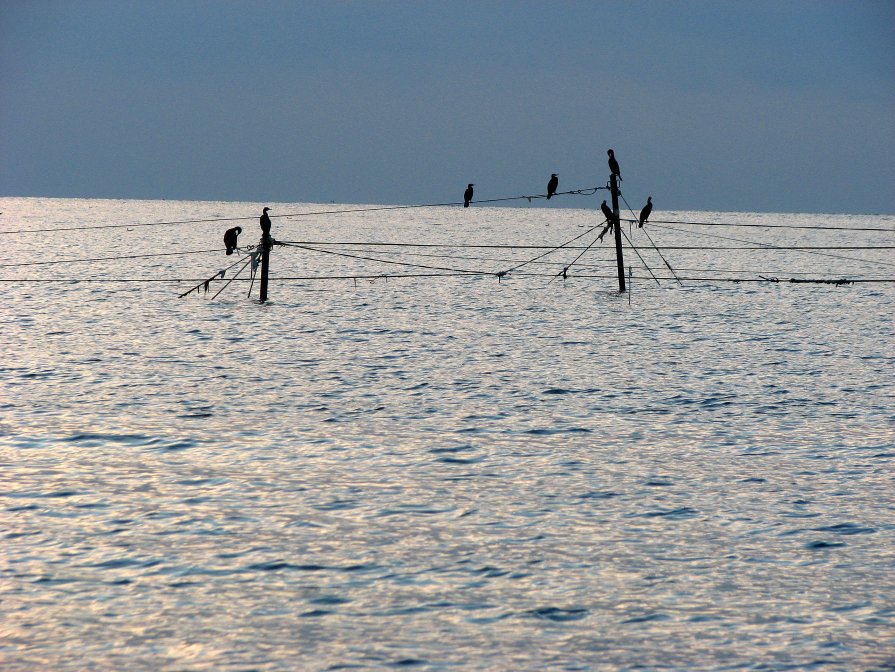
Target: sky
768, 106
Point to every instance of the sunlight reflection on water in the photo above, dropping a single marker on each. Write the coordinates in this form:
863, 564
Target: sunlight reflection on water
441, 473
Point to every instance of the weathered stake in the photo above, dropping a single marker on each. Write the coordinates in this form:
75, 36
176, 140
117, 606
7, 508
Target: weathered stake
613, 183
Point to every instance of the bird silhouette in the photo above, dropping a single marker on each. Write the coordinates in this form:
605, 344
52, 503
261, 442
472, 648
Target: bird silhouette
467, 195
265, 221
552, 185
613, 164
644, 214
607, 213
230, 238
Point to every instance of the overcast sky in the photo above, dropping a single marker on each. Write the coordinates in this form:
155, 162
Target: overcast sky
709, 105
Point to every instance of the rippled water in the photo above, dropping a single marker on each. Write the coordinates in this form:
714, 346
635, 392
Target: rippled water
443, 473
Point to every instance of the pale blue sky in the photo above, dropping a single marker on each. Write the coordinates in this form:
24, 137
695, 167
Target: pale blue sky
709, 105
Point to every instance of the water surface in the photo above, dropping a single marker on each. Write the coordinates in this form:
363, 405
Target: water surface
443, 473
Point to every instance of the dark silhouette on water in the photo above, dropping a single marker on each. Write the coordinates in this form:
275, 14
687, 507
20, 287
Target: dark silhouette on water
644, 214
610, 218
230, 238
265, 221
613, 164
607, 213
552, 185
467, 195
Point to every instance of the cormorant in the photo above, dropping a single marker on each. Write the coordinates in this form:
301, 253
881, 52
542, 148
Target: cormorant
552, 185
613, 164
467, 195
644, 214
607, 213
265, 221
230, 238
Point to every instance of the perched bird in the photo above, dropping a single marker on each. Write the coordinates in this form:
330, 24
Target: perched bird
607, 213
644, 214
613, 164
467, 195
230, 238
265, 221
552, 185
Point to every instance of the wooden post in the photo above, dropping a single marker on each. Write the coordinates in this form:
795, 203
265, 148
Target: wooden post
613, 182
265, 256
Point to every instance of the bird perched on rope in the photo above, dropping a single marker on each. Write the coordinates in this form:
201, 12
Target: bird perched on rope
552, 185
644, 214
467, 195
265, 221
230, 238
613, 164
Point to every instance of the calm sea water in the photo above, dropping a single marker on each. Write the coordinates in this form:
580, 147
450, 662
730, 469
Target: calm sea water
443, 473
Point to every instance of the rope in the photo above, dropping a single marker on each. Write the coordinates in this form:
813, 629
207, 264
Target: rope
801, 248
754, 246
566, 268
418, 275
641, 258
236, 275
658, 251
554, 263
770, 226
588, 191
208, 280
128, 256
385, 261
558, 247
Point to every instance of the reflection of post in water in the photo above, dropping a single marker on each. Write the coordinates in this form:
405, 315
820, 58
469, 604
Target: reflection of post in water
265, 252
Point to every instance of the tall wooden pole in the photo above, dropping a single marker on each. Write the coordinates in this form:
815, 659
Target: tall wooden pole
613, 183
265, 256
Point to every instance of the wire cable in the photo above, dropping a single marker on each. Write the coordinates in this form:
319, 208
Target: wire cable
559, 247
588, 191
807, 249
771, 226
641, 258
220, 273
661, 256
236, 275
385, 261
467, 274
126, 256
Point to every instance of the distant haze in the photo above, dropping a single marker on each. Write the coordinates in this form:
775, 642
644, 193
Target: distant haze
709, 105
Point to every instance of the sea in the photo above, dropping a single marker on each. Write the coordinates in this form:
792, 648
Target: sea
429, 450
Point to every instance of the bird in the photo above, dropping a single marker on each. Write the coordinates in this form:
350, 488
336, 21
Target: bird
552, 185
265, 221
607, 213
613, 164
230, 238
644, 214
467, 195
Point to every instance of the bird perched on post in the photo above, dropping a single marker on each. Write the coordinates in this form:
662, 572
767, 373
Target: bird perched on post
467, 195
613, 164
230, 238
610, 218
265, 221
607, 213
644, 214
552, 185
